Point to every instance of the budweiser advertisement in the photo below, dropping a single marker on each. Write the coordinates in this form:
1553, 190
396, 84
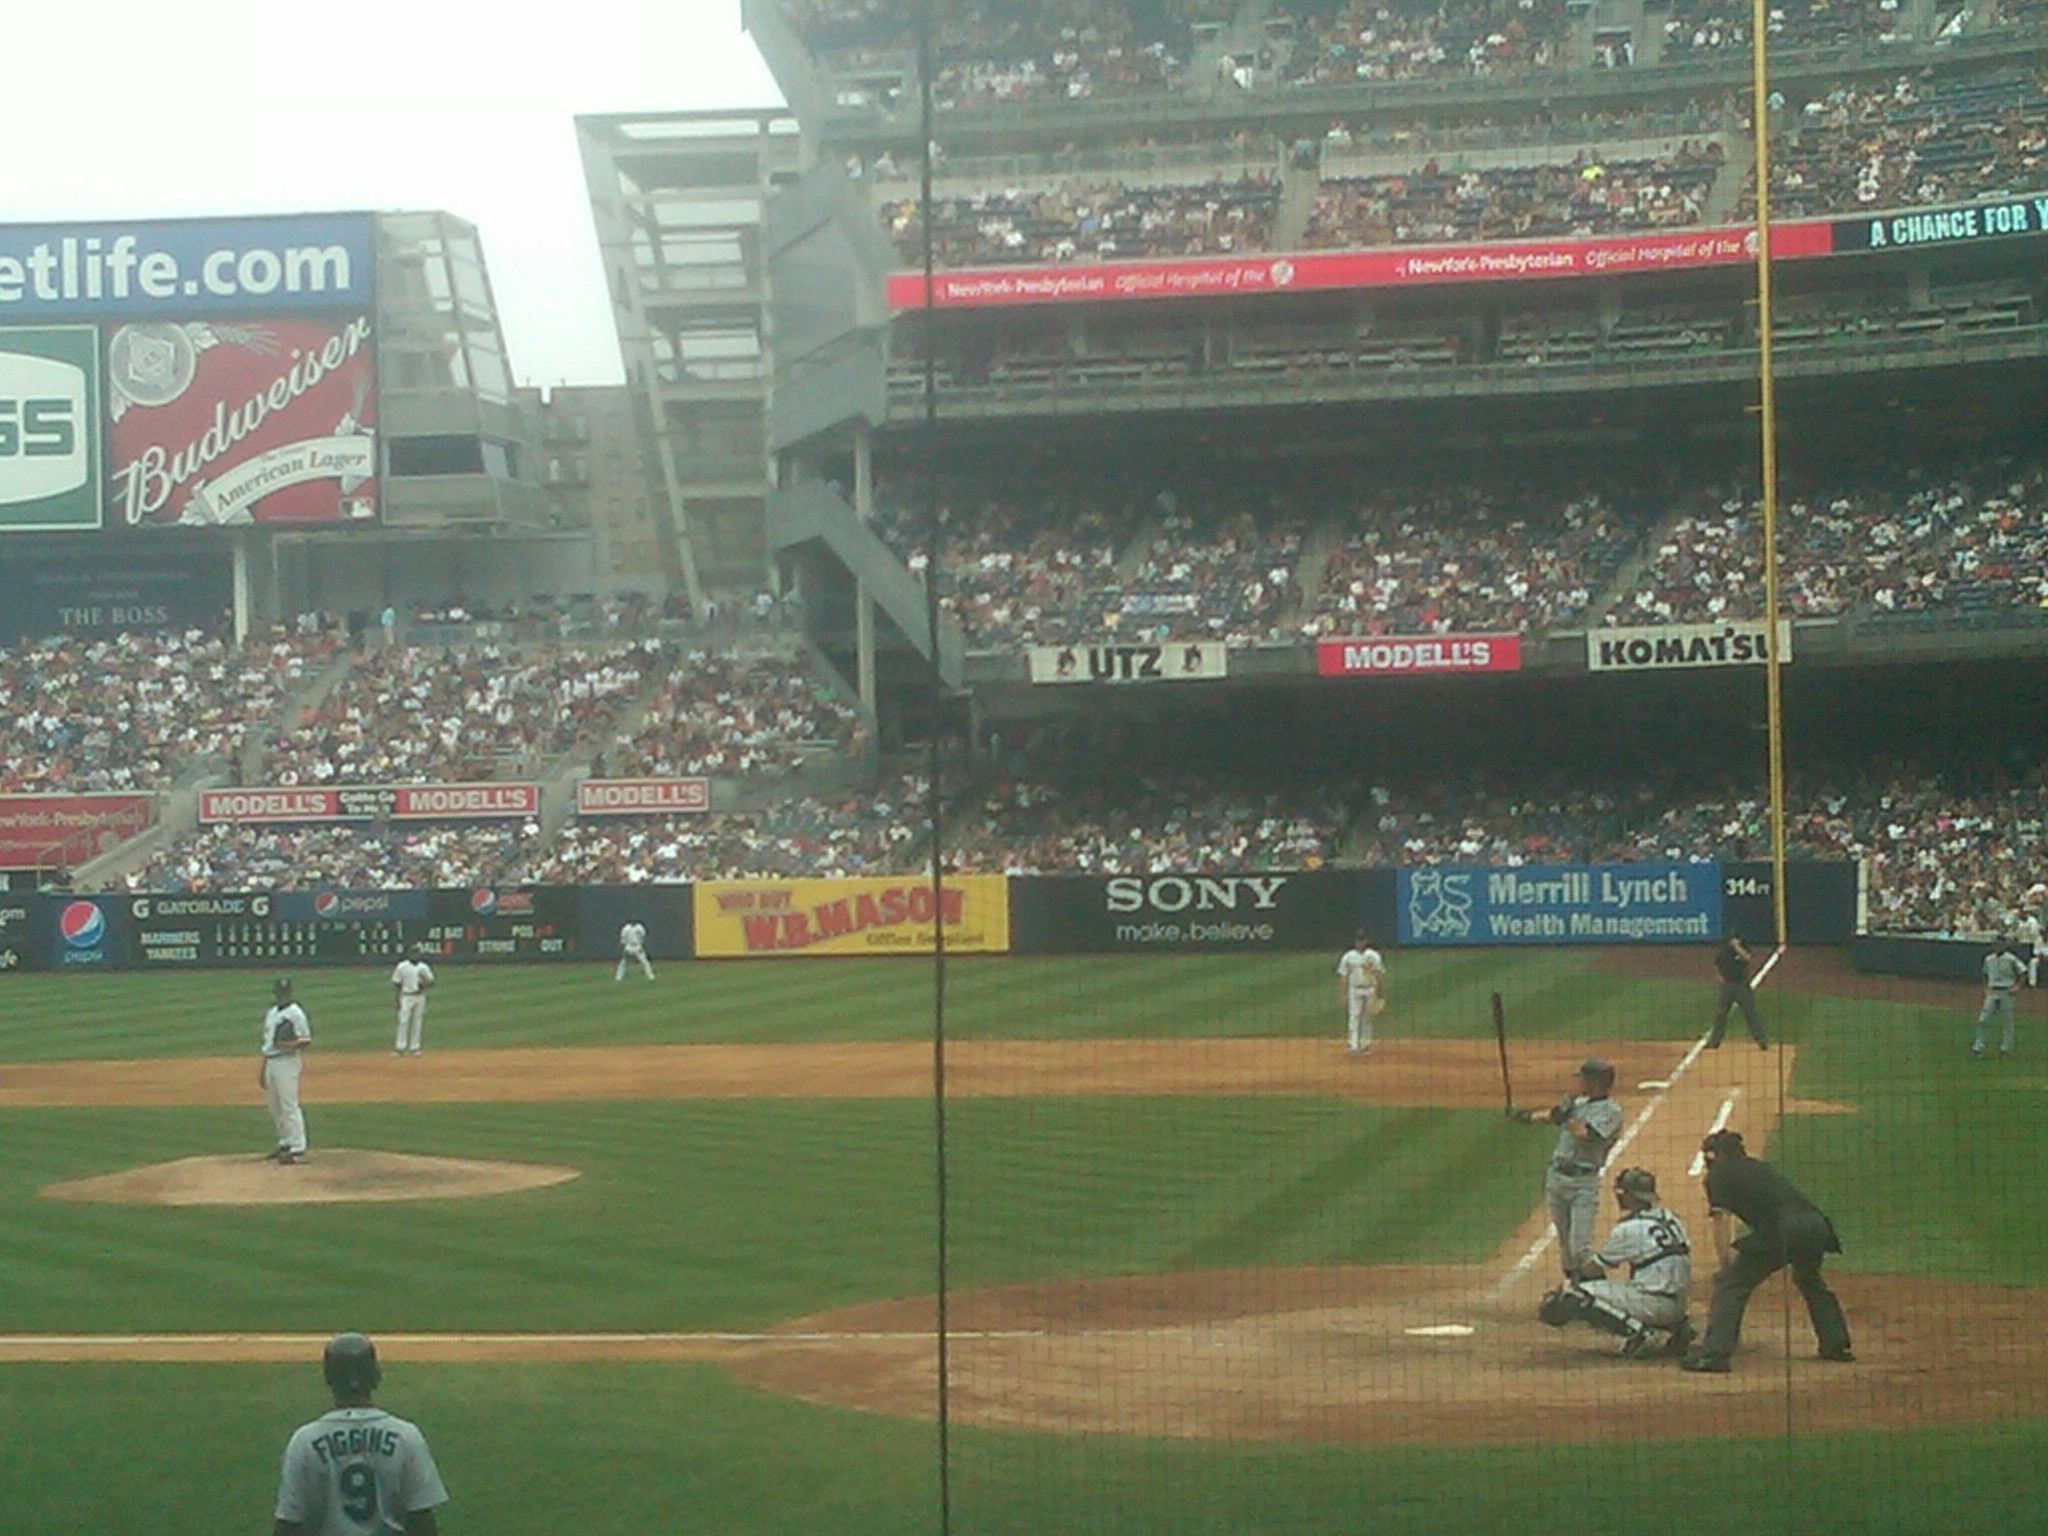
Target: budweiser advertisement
1402, 655
643, 797
262, 420
63, 831
370, 802
1382, 267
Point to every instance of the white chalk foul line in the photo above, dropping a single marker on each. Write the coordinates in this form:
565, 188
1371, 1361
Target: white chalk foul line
1698, 1165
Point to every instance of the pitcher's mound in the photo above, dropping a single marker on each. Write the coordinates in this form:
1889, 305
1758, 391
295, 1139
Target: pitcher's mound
327, 1177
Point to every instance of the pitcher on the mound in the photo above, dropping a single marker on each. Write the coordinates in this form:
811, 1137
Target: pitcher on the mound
1362, 976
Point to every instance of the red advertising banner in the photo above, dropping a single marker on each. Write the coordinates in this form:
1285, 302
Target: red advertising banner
1381, 267
258, 421
1402, 655
60, 831
642, 797
370, 802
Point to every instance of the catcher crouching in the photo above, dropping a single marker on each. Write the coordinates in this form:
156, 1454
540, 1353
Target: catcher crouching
1646, 1306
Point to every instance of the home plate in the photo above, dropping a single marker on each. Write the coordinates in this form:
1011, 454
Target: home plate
1440, 1331
1655, 1082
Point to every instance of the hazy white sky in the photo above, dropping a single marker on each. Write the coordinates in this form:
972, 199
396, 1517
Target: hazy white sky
119, 109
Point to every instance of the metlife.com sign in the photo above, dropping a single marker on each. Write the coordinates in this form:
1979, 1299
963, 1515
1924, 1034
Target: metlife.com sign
173, 268
1560, 904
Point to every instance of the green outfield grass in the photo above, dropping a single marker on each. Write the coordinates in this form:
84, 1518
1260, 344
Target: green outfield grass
732, 1214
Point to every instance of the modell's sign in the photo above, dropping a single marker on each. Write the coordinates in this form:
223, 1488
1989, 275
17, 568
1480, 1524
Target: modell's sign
373, 802
1170, 661
643, 797
1673, 646
1390, 655
259, 421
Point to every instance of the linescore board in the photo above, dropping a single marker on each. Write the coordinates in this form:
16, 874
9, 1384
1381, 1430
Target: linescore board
342, 928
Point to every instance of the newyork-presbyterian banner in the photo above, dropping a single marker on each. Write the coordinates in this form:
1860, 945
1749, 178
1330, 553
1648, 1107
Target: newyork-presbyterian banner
1382, 267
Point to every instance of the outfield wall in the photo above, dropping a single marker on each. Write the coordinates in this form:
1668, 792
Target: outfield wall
1249, 913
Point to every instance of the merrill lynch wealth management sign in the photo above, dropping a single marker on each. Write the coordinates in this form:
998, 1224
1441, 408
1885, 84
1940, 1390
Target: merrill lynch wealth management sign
1663, 647
1560, 904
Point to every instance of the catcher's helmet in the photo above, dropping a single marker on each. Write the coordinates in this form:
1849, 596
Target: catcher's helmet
1636, 1186
350, 1364
1595, 1069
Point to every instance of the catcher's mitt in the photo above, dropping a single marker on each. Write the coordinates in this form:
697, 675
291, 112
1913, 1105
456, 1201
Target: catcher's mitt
1559, 1307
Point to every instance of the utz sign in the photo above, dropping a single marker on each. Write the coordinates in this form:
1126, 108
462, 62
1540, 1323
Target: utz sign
49, 437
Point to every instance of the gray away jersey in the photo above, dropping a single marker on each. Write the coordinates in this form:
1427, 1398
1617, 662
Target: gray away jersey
2003, 972
357, 1472
1603, 1119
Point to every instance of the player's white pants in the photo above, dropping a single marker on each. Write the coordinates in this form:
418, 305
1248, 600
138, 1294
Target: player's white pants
412, 1013
1653, 1309
1358, 1017
1574, 1201
1997, 1006
630, 956
281, 1092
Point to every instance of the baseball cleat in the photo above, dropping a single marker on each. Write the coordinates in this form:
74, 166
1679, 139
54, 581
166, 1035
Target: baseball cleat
1639, 1346
1680, 1342
1844, 1356
290, 1158
1713, 1365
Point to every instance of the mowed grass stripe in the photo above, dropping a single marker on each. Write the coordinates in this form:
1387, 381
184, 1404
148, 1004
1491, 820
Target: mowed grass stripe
723, 1215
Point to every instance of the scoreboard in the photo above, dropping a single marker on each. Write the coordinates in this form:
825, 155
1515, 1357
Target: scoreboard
351, 927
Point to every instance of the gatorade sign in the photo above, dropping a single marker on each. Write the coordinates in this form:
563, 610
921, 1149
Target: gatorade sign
49, 428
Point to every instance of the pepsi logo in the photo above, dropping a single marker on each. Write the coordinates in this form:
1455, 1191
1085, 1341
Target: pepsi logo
83, 925
326, 904
483, 903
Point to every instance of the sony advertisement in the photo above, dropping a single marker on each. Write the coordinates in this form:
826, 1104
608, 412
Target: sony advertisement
1170, 913
193, 373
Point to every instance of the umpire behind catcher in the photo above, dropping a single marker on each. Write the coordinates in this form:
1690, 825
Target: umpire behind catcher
1784, 1228
357, 1470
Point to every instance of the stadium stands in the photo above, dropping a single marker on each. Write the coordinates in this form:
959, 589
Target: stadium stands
736, 717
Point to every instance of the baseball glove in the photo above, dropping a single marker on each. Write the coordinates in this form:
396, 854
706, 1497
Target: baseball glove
1559, 1307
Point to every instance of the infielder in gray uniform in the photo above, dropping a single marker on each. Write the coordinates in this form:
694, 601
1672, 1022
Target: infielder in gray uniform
358, 1470
2004, 970
1646, 1308
1587, 1124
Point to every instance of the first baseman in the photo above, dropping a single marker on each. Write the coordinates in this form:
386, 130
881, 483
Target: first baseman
357, 1469
1646, 1307
1362, 977
410, 979
285, 1033
633, 947
2004, 970
1588, 1123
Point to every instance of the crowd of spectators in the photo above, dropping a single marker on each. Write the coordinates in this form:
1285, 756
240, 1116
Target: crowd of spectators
416, 714
1080, 221
732, 716
384, 857
1466, 559
875, 831
1588, 195
1706, 27
1367, 41
1973, 541
1132, 825
127, 712
1919, 139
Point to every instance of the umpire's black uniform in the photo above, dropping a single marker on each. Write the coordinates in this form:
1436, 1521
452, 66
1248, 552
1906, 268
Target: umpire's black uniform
1784, 1228
1731, 962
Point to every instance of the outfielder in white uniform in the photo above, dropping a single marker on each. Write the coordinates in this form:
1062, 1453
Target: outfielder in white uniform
285, 1033
410, 979
2034, 937
1362, 977
357, 1471
633, 950
1647, 1306
2004, 970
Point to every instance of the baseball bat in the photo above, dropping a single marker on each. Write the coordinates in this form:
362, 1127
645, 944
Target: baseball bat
1500, 1038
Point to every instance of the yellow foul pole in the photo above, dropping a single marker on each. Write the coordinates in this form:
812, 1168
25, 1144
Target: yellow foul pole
1767, 422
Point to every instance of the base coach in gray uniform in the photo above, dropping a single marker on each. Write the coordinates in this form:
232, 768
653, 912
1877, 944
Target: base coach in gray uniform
1587, 1124
1784, 1228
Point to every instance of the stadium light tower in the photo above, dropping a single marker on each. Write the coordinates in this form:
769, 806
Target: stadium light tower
1767, 422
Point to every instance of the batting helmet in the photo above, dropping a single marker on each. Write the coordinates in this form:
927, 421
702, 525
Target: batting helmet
1595, 1069
350, 1364
1637, 1187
